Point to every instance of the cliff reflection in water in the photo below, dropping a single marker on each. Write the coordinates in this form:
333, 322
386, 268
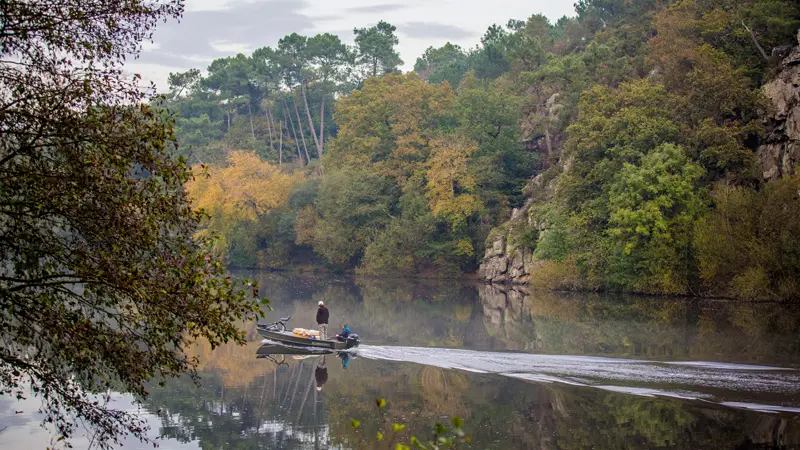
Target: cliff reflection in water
642, 327
249, 402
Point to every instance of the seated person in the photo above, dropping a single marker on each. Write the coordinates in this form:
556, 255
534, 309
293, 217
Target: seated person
342, 336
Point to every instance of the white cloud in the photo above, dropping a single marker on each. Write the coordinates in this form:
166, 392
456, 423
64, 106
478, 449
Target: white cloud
216, 28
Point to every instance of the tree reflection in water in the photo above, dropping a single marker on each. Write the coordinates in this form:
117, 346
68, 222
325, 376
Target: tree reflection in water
248, 402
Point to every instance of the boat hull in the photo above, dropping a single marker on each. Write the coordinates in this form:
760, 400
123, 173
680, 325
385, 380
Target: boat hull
289, 338
279, 349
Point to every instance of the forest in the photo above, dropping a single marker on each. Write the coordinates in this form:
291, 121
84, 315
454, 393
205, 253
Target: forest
628, 136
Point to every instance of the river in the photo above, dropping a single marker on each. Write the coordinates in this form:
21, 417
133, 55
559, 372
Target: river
523, 369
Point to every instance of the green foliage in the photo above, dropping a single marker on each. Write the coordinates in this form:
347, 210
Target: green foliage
748, 245
102, 284
554, 240
636, 107
632, 190
652, 209
352, 206
376, 48
614, 127
490, 115
447, 63
403, 247
489, 61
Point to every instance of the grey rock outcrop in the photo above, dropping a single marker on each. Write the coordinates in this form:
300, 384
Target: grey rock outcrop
780, 149
504, 261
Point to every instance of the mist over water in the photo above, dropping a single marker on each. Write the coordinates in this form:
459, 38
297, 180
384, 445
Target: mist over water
523, 369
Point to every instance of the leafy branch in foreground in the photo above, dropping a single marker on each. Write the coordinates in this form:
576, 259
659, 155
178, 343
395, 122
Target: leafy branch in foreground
441, 438
101, 282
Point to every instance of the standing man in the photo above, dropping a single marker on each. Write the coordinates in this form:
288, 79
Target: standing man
322, 320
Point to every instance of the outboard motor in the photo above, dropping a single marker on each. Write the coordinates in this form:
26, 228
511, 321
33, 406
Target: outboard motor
353, 340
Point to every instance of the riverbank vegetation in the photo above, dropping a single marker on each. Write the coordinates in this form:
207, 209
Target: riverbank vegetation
643, 119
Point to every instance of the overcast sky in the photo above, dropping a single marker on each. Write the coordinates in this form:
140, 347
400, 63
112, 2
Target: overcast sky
212, 29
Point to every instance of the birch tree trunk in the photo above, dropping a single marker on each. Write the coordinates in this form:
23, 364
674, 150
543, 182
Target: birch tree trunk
300, 126
321, 126
311, 122
269, 127
294, 132
280, 147
250, 115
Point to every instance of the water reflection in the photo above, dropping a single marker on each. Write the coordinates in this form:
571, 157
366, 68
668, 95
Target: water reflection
642, 327
277, 353
504, 343
307, 400
480, 317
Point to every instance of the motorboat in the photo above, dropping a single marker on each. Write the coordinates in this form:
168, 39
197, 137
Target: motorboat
304, 339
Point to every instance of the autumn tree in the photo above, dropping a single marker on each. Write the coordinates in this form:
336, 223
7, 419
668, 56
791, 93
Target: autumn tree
102, 284
748, 245
243, 190
451, 188
721, 102
389, 123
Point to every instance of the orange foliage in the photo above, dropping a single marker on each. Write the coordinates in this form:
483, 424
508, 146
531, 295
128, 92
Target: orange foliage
244, 190
450, 188
390, 123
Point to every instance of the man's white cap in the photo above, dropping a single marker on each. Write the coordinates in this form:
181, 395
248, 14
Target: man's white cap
320, 303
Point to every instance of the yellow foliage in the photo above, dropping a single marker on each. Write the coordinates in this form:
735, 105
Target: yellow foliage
464, 247
236, 364
441, 390
389, 123
304, 226
556, 275
243, 190
450, 185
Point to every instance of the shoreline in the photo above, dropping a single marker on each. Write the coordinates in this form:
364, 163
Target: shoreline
474, 280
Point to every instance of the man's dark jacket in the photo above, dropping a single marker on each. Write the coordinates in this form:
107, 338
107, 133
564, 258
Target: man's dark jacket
321, 374
322, 315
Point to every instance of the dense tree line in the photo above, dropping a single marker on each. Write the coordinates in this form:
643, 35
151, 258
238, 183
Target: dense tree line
641, 119
659, 187
392, 173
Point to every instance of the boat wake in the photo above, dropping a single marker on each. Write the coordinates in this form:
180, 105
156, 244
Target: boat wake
734, 385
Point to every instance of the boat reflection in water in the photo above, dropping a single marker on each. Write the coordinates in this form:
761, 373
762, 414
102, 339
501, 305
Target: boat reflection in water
278, 354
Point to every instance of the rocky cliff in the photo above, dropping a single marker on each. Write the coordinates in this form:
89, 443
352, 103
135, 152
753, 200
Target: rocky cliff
505, 261
780, 150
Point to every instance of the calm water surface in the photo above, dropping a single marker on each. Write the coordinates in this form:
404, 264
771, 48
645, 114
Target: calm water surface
523, 369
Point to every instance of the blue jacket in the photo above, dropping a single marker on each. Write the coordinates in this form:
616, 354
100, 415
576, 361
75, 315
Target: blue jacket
345, 332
